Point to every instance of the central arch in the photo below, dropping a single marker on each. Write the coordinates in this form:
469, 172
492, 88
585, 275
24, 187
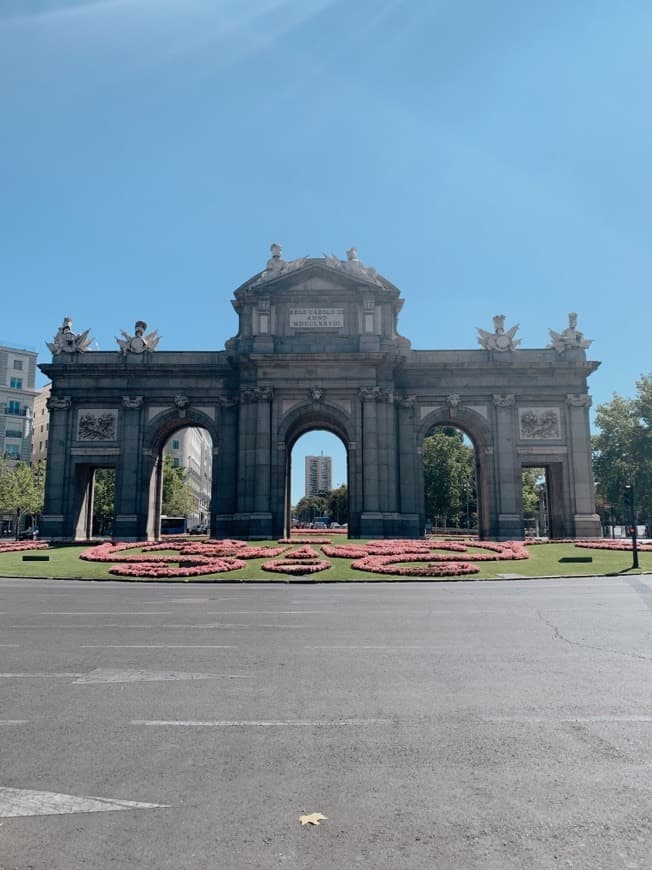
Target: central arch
308, 418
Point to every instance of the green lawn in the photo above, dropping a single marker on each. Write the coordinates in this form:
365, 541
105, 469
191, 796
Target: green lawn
64, 563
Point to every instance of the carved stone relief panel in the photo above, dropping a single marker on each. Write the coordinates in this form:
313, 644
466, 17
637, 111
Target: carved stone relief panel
541, 424
97, 424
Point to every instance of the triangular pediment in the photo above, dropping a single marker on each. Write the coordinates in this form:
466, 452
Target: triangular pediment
315, 274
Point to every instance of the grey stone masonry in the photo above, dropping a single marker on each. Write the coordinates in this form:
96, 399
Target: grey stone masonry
318, 348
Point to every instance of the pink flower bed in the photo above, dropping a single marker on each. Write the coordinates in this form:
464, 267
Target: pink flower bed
191, 558
614, 545
302, 561
387, 557
198, 566
17, 546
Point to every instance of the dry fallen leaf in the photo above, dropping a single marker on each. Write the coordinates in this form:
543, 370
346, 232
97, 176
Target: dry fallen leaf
312, 819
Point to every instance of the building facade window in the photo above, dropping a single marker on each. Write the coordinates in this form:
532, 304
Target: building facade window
13, 407
18, 365
12, 451
16, 383
13, 433
175, 443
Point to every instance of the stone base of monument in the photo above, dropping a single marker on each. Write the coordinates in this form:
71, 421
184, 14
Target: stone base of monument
389, 525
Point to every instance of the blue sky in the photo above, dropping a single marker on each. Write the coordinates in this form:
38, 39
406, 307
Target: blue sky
486, 157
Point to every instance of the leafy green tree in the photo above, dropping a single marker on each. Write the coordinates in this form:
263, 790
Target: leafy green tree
21, 490
178, 500
622, 450
103, 499
449, 478
311, 506
338, 504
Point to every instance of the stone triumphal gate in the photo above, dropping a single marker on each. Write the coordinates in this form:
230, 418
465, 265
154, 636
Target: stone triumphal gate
318, 348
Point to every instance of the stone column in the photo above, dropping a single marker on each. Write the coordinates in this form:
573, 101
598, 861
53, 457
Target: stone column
246, 454
507, 471
586, 520
56, 522
131, 489
371, 520
226, 457
263, 450
410, 476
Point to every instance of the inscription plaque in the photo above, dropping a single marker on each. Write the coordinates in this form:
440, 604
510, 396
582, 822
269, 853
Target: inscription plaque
316, 318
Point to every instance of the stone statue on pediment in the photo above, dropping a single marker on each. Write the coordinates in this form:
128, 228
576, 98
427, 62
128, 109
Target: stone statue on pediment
499, 340
353, 265
570, 337
277, 266
139, 342
66, 341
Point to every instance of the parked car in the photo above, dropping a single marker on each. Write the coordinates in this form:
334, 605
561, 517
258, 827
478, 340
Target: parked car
28, 534
201, 529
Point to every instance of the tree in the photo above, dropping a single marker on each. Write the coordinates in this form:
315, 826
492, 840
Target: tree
21, 490
622, 451
449, 477
103, 498
338, 504
178, 500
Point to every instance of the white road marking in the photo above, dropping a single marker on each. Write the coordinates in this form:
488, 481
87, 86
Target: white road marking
16, 802
234, 625
257, 723
40, 674
156, 646
105, 612
376, 647
276, 612
133, 675
6, 645
13, 721
557, 719
71, 625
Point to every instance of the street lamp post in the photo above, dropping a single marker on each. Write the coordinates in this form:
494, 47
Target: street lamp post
628, 499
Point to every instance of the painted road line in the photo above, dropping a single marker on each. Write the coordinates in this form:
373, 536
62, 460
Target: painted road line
16, 802
554, 720
38, 674
106, 612
257, 723
378, 647
77, 625
9, 645
156, 646
134, 675
14, 721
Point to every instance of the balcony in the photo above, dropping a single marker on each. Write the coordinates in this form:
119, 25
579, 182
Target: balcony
15, 412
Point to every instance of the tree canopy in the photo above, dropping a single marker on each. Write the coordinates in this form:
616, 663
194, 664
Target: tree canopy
622, 451
449, 478
178, 500
21, 489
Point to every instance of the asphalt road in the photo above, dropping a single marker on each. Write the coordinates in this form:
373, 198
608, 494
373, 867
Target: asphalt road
453, 725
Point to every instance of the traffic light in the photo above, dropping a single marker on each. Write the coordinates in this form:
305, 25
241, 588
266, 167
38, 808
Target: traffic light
628, 496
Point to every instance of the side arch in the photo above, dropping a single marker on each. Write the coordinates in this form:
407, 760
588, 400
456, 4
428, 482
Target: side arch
478, 429
157, 432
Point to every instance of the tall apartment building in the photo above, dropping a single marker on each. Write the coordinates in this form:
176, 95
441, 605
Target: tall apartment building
192, 449
17, 378
318, 474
